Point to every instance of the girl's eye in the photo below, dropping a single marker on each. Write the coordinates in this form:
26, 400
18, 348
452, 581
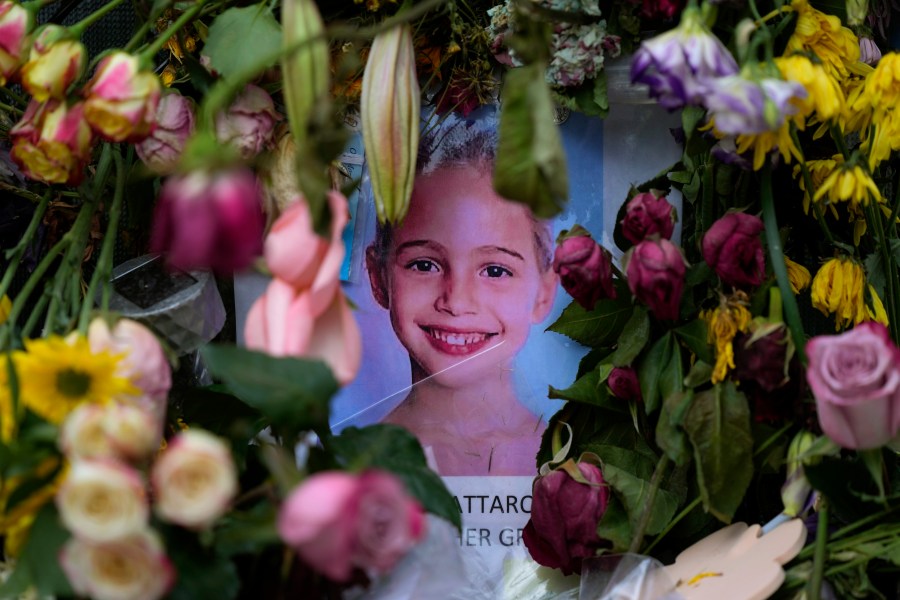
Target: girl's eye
495, 271
423, 266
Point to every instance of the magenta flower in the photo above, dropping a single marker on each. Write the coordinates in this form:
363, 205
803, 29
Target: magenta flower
733, 249
655, 272
678, 65
646, 215
209, 220
624, 384
13, 39
585, 269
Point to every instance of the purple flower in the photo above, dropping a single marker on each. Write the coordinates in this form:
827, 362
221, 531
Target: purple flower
209, 220
869, 52
744, 106
678, 64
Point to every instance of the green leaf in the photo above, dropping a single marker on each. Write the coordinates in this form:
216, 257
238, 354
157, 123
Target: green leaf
395, 449
243, 39
691, 116
693, 335
718, 425
700, 374
615, 525
597, 327
531, 163
247, 532
38, 558
590, 98
292, 393
589, 389
652, 367
633, 338
874, 461
201, 572
670, 434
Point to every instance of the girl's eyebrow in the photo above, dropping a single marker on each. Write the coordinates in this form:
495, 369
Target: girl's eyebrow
512, 253
429, 244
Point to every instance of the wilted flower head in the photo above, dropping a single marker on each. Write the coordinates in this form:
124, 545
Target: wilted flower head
733, 249
121, 99
723, 324
646, 215
249, 123
174, 124
655, 271
798, 275
823, 35
839, 287
13, 29
741, 105
824, 94
869, 52
55, 62
679, 64
584, 268
52, 142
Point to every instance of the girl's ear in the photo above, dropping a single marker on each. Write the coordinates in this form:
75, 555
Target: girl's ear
377, 278
546, 295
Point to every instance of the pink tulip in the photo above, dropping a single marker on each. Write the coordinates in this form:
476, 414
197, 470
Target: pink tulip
54, 63
52, 142
121, 99
249, 123
174, 125
13, 38
209, 220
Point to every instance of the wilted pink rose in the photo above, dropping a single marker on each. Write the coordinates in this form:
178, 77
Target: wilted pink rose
174, 125
52, 142
337, 521
249, 123
565, 512
855, 377
131, 568
209, 220
121, 99
194, 479
762, 360
585, 269
646, 215
734, 251
655, 274
55, 62
13, 38
624, 384
142, 358
661, 9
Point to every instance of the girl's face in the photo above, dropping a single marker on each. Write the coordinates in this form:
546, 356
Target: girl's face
462, 280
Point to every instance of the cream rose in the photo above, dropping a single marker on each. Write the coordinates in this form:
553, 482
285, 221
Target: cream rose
82, 434
133, 568
117, 430
194, 479
102, 501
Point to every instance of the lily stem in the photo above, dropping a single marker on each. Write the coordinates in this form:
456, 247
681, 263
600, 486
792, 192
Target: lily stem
818, 573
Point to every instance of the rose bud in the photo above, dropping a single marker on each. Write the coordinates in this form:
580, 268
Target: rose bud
282, 322
131, 568
121, 99
174, 125
209, 220
249, 123
763, 357
655, 271
646, 215
54, 63
855, 377
52, 142
102, 501
584, 268
194, 479
623, 383
567, 504
143, 360
13, 39
733, 249
337, 521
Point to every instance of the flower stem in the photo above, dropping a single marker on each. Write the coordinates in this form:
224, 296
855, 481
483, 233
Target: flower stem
818, 209
644, 519
815, 582
685, 512
776, 256
892, 286
14, 256
81, 26
138, 36
157, 44
103, 271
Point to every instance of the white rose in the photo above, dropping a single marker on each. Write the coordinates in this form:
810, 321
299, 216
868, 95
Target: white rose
102, 500
132, 568
194, 479
132, 430
82, 434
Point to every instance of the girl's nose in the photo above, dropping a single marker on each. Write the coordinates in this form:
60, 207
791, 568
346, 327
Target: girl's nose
457, 296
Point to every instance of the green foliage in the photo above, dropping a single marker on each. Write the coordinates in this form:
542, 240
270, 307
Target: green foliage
241, 39
660, 371
37, 564
590, 389
394, 449
598, 327
633, 338
202, 571
670, 434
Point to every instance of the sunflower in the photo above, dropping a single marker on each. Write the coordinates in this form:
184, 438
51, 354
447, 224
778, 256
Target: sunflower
724, 323
57, 374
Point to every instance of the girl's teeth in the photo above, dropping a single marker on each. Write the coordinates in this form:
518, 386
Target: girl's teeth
458, 339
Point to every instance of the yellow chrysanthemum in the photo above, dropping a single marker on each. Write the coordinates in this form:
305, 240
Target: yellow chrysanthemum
798, 275
882, 89
819, 171
851, 184
763, 143
723, 323
823, 35
857, 110
56, 375
839, 288
824, 96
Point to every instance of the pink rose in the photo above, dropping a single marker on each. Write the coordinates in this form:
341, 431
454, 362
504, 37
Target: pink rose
733, 249
174, 125
655, 271
584, 268
55, 62
13, 38
249, 123
624, 384
121, 99
52, 142
338, 521
209, 220
565, 512
646, 215
855, 378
